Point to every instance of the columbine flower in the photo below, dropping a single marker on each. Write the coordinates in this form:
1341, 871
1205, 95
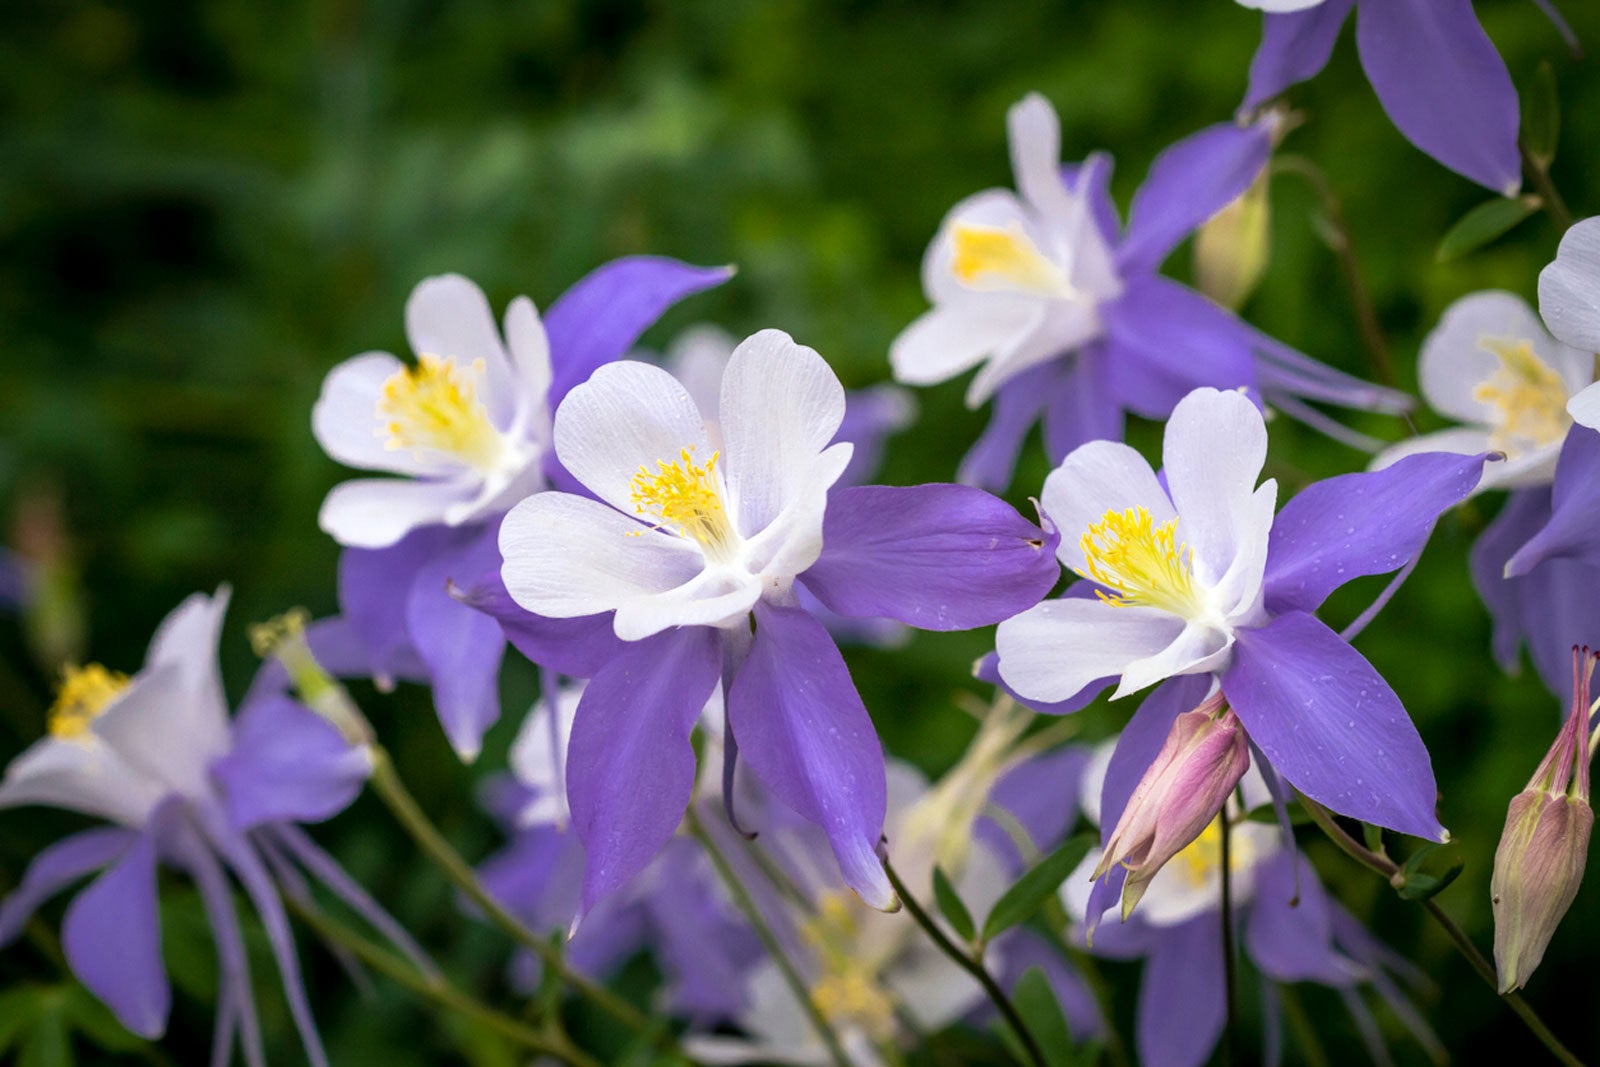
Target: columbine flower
1544, 847
1435, 71
1288, 927
687, 540
156, 755
1197, 578
470, 424
1569, 300
1491, 364
1070, 320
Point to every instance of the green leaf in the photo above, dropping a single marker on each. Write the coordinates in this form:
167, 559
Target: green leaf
46, 1044
1036, 1002
1483, 224
18, 1009
1413, 883
1037, 886
94, 1021
950, 906
1541, 115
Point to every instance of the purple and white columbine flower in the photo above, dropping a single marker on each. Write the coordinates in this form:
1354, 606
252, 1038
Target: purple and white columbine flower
1435, 71
1067, 314
685, 542
1194, 576
468, 429
157, 756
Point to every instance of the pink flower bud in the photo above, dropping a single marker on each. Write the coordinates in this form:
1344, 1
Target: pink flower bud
1201, 761
1539, 863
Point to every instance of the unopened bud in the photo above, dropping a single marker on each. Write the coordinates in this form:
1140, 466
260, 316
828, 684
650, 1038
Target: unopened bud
1539, 863
1230, 250
1202, 760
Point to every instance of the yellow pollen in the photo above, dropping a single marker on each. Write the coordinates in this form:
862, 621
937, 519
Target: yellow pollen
433, 408
682, 495
988, 258
1530, 396
1140, 563
1200, 857
84, 693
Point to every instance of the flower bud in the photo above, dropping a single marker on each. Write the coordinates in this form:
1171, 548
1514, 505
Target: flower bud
1230, 250
1539, 863
1199, 765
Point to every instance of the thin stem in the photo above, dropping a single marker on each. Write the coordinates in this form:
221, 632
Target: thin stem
437, 989
1337, 236
386, 782
1229, 967
972, 964
769, 940
1549, 198
1389, 869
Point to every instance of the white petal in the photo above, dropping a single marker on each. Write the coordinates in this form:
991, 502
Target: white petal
1280, 5
1238, 594
715, 597
1063, 326
698, 357
377, 512
957, 335
160, 728
793, 540
1054, 649
1585, 407
567, 556
1455, 361
1569, 288
539, 754
1033, 132
530, 353
448, 316
1213, 452
1200, 648
1462, 440
82, 775
1098, 477
781, 405
933, 988
190, 638
627, 416
996, 208
345, 419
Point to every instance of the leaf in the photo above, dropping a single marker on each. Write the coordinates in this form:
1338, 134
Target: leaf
94, 1021
1541, 115
1413, 883
1037, 886
46, 1044
1035, 1000
1483, 224
950, 906
18, 1008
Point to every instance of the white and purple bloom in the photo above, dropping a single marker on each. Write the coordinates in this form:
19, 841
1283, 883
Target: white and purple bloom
686, 538
1435, 71
157, 757
468, 428
1191, 577
1065, 313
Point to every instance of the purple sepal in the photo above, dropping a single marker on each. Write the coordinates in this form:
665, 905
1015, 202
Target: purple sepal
1369, 522
630, 767
1444, 86
287, 763
1294, 47
1092, 178
1080, 402
804, 732
112, 938
1041, 793
57, 867
938, 557
537, 877
1189, 182
704, 952
374, 585
1167, 340
601, 317
870, 417
1331, 725
1572, 531
577, 648
1289, 932
1017, 405
1181, 1003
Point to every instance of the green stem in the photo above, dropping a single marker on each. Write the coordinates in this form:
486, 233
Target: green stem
438, 990
1230, 974
1386, 867
1300, 1023
972, 964
1549, 198
769, 940
393, 792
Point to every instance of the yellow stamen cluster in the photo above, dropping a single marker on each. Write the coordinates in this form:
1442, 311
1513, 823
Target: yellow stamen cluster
990, 258
1530, 395
433, 408
84, 693
682, 495
848, 992
1202, 857
1141, 563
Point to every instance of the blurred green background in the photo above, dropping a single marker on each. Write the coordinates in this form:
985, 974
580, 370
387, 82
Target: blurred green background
204, 207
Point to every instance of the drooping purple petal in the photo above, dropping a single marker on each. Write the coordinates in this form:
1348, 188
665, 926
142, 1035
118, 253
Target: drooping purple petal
1041, 793
287, 763
235, 995
1181, 1002
576, 647
1294, 47
1444, 86
1524, 512
617, 928
601, 317
1331, 725
1017, 405
1081, 401
704, 952
1167, 341
938, 557
373, 587
1289, 931
1188, 183
56, 868
1572, 532
1369, 522
630, 768
805, 733
112, 938
537, 876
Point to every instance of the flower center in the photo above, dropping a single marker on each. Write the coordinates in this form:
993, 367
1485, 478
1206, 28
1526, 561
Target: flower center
1202, 857
848, 992
433, 408
83, 694
1530, 396
1140, 563
682, 495
992, 259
